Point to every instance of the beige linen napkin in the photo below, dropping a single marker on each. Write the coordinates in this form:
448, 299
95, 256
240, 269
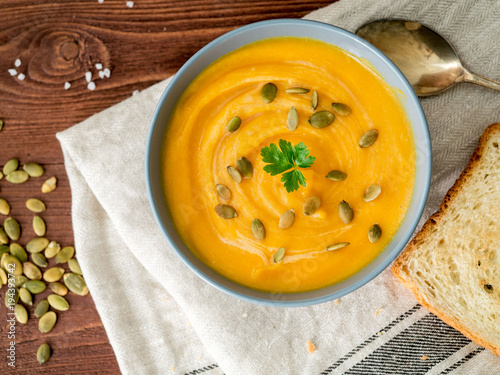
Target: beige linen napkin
162, 319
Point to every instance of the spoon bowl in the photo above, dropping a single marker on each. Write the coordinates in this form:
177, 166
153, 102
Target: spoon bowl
428, 61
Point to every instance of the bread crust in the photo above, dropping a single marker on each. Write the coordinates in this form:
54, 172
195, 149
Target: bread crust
435, 219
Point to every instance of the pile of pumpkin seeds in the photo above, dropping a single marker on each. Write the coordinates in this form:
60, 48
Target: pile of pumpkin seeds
25, 270
244, 170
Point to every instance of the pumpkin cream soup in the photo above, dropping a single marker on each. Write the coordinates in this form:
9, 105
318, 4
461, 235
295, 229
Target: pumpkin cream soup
288, 165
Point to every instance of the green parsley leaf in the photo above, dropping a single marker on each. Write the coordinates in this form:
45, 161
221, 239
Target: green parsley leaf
285, 157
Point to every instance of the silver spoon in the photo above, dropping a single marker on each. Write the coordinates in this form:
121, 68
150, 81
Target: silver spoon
428, 61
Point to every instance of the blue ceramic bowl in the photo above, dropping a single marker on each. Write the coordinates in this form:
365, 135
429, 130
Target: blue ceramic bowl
298, 28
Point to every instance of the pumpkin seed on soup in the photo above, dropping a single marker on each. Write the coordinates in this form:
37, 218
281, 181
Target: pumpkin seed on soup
234, 124
336, 175
287, 219
314, 99
345, 212
321, 119
311, 205
258, 229
368, 138
233, 172
279, 254
341, 109
297, 90
268, 92
245, 167
374, 233
223, 192
372, 192
292, 121
225, 211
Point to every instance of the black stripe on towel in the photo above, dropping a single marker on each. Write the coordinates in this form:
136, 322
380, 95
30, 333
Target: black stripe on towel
203, 369
462, 361
414, 351
371, 339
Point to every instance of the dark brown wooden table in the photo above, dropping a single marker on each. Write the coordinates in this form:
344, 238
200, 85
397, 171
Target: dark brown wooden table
58, 41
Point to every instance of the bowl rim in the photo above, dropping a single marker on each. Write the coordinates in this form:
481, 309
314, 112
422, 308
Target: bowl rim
411, 97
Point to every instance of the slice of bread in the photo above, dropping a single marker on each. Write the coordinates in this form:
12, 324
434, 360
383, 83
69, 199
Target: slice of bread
453, 264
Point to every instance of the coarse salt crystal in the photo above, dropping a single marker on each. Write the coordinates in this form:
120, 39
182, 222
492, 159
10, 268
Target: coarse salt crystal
101, 74
130, 4
100, 1
17, 63
21, 77
98, 66
67, 85
12, 72
88, 76
107, 73
135, 92
91, 86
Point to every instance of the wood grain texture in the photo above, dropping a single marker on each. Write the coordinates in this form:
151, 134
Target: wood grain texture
59, 41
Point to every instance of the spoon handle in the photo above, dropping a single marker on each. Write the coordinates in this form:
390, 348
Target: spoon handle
479, 80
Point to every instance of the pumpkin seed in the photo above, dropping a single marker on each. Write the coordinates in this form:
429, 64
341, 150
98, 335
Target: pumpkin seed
1, 175
374, 233
37, 244
321, 119
21, 314
1, 125
279, 254
311, 205
11, 298
31, 271
297, 90
12, 228
52, 249
47, 322
25, 296
49, 185
35, 205
341, 109
225, 211
314, 99
18, 251
35, 286
10, 166
233, 172
234, 124
12, 265
41, 308
58, 302
43, 353
17, 177
4, 249
372, 193
287, 219
223, 192
20, 280
345, 212
4, 239
258, 229
337, 246
65, 254
336, 175
59, 288
368, 138
245, 167
292, 121
4, 207
39, 226
3, 277
268, 92
76, 284
2, 259
74, 266
33, 169
39, 259
53, 274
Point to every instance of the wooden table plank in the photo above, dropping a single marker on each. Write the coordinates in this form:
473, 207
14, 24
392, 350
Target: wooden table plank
58, 41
